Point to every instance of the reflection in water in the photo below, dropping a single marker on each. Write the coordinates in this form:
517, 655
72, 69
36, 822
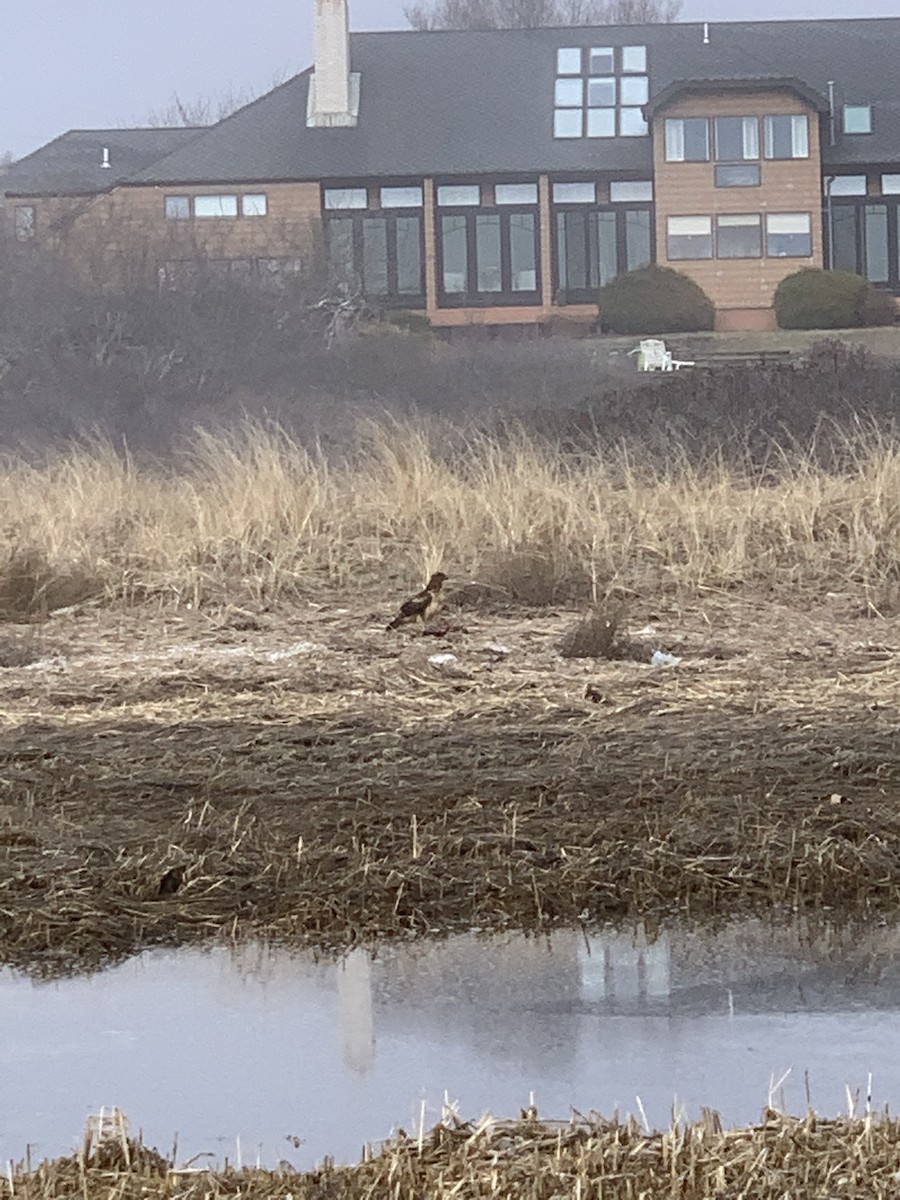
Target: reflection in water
261, 1044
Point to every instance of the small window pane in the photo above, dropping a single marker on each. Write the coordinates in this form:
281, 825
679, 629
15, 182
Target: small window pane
346, 198
601, 93
178, 208
457, 195
847, 185
687, 139
739, 236
375, 256
634, 59
789, 235
690, 237
567, 123
844, 251
455, 251
24, 222
877, 268
857, 118
602, 60
516, 193
637, 238
522, 252
215, 206
571, 251
607, 251
601, 122
255, 205
487, 253
569, 93
635, 189
568, 61
574, 193
738, 175
401, 197
890, 185
634, 91
409, 256
787, 137
632, 122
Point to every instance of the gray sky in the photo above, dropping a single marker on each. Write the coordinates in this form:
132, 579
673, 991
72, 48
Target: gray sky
83, 63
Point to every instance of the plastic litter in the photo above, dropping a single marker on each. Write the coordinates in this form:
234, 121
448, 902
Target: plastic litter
661, 659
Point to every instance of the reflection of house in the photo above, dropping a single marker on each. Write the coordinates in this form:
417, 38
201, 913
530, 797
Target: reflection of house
354, 986
501, 177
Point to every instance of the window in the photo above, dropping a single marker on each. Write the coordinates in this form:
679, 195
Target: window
337, 198
687, 139
489, 257
621, 191
516, 193
737, 139
890, 185
876, 235
847, 185
574, 193
634, 60
23, 222
690, 237
789, 235
739, 236
592, 246
453, 196
178, 208
401, 197
864, 239
215, 206
379, 255
632, 123
857, 118
737, 175
592, 100
787, 137
254, 204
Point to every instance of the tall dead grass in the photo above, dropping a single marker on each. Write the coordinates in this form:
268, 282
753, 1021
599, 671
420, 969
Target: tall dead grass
254, 516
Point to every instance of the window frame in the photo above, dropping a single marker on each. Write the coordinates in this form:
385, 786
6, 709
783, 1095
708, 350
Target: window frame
858, 207
24, 226
768, 145
220, 197
721, 218
720, 168
393, 298
859, 108
768, 234
670, 257
670, 123
621, 212
470, 296
744, 159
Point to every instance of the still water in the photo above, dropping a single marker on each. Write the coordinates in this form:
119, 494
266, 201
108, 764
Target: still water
239, 1050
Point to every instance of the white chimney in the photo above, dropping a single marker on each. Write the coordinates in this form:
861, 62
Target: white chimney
333, 90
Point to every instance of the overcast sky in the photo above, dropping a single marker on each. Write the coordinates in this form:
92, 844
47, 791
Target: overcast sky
92, 63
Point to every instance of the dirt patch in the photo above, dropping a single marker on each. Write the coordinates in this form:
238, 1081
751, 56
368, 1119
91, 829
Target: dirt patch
312, 778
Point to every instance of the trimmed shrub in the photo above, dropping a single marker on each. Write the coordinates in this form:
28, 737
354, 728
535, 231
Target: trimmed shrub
878, 307
817, 299
655, 300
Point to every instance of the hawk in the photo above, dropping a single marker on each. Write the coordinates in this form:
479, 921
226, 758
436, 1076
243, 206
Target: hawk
423, 605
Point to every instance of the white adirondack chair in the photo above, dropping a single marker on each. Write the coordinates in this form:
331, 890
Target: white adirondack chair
653, 356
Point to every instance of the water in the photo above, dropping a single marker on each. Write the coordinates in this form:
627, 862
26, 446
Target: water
239, 1050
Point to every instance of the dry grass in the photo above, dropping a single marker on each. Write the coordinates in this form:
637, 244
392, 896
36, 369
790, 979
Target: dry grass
255, 517
509, 1160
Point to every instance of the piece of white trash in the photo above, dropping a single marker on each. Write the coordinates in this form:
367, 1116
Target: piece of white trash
443, 660
660, 659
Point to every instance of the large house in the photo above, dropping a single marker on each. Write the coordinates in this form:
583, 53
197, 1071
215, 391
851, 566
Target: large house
502, 177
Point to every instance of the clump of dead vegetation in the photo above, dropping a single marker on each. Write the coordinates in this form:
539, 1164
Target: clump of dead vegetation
585, 1156
599, 635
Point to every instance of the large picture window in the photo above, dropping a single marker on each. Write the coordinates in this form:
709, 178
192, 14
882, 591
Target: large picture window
865, 239
377, 253
489, 257
593, 244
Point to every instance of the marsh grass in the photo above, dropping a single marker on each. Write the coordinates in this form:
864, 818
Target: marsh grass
253, 515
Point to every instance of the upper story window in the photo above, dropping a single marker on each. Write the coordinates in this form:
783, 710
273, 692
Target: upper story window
622, 191
788, 235
178, 208
515, 193
459, 195
737, 139
254, 204
574, 193
599, 92
215, 206
890, 185
689, 237
336, 198
729, 175
687, 139
401, 197
847, 185
787, 136
23, 222
857, 118
378, 251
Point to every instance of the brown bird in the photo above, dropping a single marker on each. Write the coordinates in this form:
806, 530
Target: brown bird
423, 605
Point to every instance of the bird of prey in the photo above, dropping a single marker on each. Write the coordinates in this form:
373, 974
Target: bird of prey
423, 605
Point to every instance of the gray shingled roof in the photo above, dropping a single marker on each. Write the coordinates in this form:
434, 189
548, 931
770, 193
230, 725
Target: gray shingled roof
71, 164
457, 104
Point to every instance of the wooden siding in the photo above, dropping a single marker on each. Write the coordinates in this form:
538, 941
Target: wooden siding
787, 186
